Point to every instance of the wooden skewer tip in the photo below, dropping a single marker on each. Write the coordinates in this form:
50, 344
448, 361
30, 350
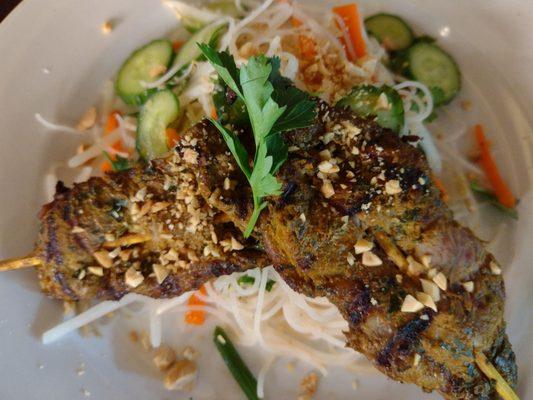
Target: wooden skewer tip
19, 263
502, 387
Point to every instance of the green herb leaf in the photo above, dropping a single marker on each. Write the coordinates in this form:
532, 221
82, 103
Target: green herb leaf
270, 284
236, 147
491, 198
246, 280
235, 364
273, 106
119, 163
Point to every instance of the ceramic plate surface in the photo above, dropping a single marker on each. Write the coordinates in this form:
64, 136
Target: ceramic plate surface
54, 60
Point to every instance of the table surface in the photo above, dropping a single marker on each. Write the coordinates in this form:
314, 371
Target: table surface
6, 6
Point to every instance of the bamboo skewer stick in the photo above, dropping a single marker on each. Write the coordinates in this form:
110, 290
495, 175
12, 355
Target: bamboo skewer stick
19, 263
12, 264
502, 387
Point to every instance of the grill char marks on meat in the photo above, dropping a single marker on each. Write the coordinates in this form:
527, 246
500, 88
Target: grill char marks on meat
191, 242
382, 189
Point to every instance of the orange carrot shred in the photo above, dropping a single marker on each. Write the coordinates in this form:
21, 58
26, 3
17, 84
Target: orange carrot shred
176, 45
307, 44
172, 137
352, 19
214, 113
307, 47
501, 190
196, 317
106, 166
110, 126
295, 22
438, 183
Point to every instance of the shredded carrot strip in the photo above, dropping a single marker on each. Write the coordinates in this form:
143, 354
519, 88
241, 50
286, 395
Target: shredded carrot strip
295, 22
172, 137
214, 113
501, 190
196, 317
307, 44
106, 166
438, 183
110, 126
177, 45
352, 19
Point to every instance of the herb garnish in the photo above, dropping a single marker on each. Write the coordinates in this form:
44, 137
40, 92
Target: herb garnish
246, 280
273, 106
491, 198
118, 163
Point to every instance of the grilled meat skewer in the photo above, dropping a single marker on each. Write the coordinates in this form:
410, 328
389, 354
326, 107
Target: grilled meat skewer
346, 181
185, 242
422, 297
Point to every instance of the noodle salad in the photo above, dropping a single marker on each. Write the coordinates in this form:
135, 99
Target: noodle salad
374, 65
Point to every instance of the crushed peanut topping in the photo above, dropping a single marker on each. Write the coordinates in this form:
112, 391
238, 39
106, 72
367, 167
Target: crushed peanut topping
98, 271
189, 353
431, 289
190, 156
107, 27
426, 300
103, 259
327, 189
469, 286
159, 206
88, 120
164, 357
410, 304
393, 187
426, 260
308, 386
414, 268
351, 259
362, 246
494, 268
371, 260
441, 281
416, 360
327, 167
302, 217
133, 278
180, 375
161, 273
432, 273
227, 184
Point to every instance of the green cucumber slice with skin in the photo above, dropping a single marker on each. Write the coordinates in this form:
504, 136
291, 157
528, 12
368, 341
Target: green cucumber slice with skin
160, 110
143, 65
391, 31
382, 102
429, 64
190, 50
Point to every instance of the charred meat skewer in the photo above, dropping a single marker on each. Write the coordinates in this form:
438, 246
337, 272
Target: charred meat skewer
347, 183
421, 294
85, 244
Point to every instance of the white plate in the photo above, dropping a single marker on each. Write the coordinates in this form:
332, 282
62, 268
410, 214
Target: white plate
492, 41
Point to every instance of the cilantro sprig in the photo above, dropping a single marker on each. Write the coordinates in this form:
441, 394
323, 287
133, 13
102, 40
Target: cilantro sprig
274, 106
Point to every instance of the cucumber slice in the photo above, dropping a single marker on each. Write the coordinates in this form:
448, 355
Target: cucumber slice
160, 110
435, 68
144, 65
190, 50
383, 102
391, 31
